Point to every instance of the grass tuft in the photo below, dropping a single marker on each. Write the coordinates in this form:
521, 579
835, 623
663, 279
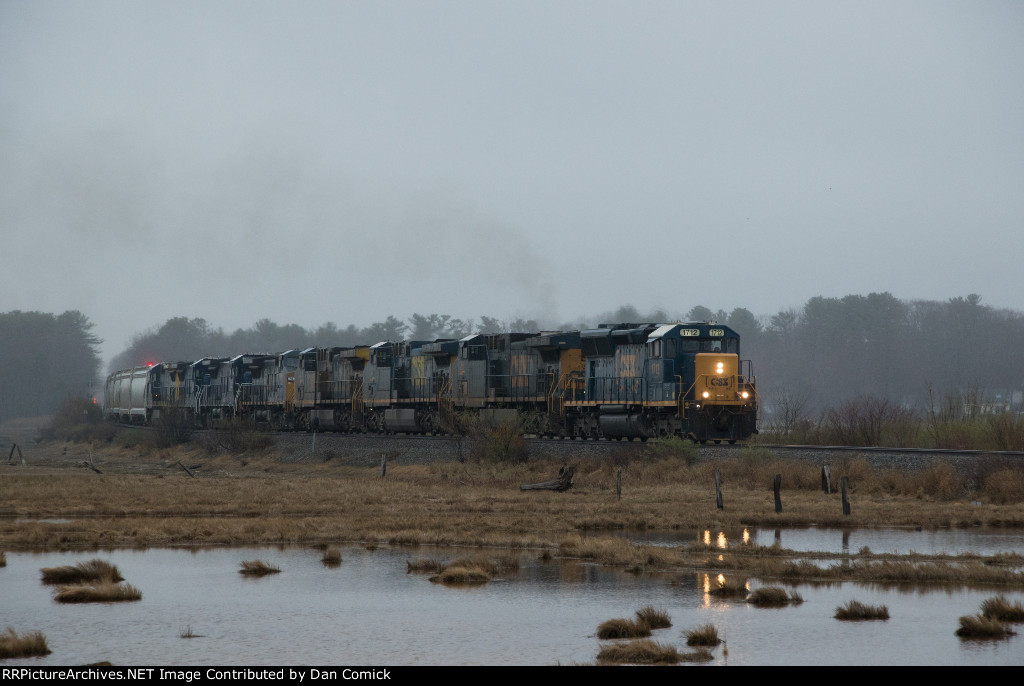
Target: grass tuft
856, 611
1001, 609
424, 566
3, 559
257, 568
653, 617
188, 633
730, 588
32, 644
331, 557
83, 572
976, 626
100, 592
643, 652
623, 628
706, 635
459, 575
773, 596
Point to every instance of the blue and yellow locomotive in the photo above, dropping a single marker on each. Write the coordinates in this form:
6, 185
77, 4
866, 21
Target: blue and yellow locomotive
625, 381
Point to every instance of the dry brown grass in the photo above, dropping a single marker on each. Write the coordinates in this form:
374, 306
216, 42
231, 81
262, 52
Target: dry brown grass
623, 628
855, 610
83, 572
424, 566
1001, 609
331, 557
772, 596
643, 652
730, 587
100, 592
32, 644
257, 568
976, 626
462, 574
705, 635
144, 499
653, 617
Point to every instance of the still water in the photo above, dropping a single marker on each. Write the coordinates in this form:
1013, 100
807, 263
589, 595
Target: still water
369, 611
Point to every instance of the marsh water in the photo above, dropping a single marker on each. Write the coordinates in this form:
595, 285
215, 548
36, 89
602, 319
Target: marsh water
370, 611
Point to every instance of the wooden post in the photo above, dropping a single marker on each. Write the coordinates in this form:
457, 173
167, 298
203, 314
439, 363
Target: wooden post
618, 486
312, 452
187, 470
844, 483
826, 479
778, 494
383, 465
718, 489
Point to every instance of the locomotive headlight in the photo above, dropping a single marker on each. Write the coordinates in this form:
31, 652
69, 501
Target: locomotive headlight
721, 367
745, 395
706, 394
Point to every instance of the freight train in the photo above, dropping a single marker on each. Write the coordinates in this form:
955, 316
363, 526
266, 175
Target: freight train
624, 381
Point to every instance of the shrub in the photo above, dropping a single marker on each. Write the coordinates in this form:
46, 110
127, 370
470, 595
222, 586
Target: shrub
173, 427
498, 441
236, 436
79, 420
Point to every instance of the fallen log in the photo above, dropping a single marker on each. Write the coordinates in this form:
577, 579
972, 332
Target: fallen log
563, 483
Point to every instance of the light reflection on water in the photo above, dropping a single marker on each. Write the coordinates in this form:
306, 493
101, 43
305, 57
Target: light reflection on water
370, 611
982, 541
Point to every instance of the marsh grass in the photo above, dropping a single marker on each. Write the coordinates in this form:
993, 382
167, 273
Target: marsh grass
976, 626
855, 610
705, 635
653, 617
100, 592
3, 559
257, 568
1001, 609
461, 575
623, 628
331, 557
467, 571
32, 644
735, 587
773, 596
643, 652
83, 572
188, 633
424, 566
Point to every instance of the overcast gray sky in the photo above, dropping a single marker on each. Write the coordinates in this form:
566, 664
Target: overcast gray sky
342, 161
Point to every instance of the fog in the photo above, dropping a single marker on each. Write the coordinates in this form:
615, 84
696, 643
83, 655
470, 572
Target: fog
336, 161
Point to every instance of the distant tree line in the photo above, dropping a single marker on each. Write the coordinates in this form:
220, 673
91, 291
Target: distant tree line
807, 359
826, 352
44, 360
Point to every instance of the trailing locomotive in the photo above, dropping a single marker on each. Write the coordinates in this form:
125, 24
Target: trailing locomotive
632, 381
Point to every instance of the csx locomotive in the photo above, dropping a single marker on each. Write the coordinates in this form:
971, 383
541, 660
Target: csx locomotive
617, 381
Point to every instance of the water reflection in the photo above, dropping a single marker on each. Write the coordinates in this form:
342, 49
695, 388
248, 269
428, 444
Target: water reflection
369, 610
981, 541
